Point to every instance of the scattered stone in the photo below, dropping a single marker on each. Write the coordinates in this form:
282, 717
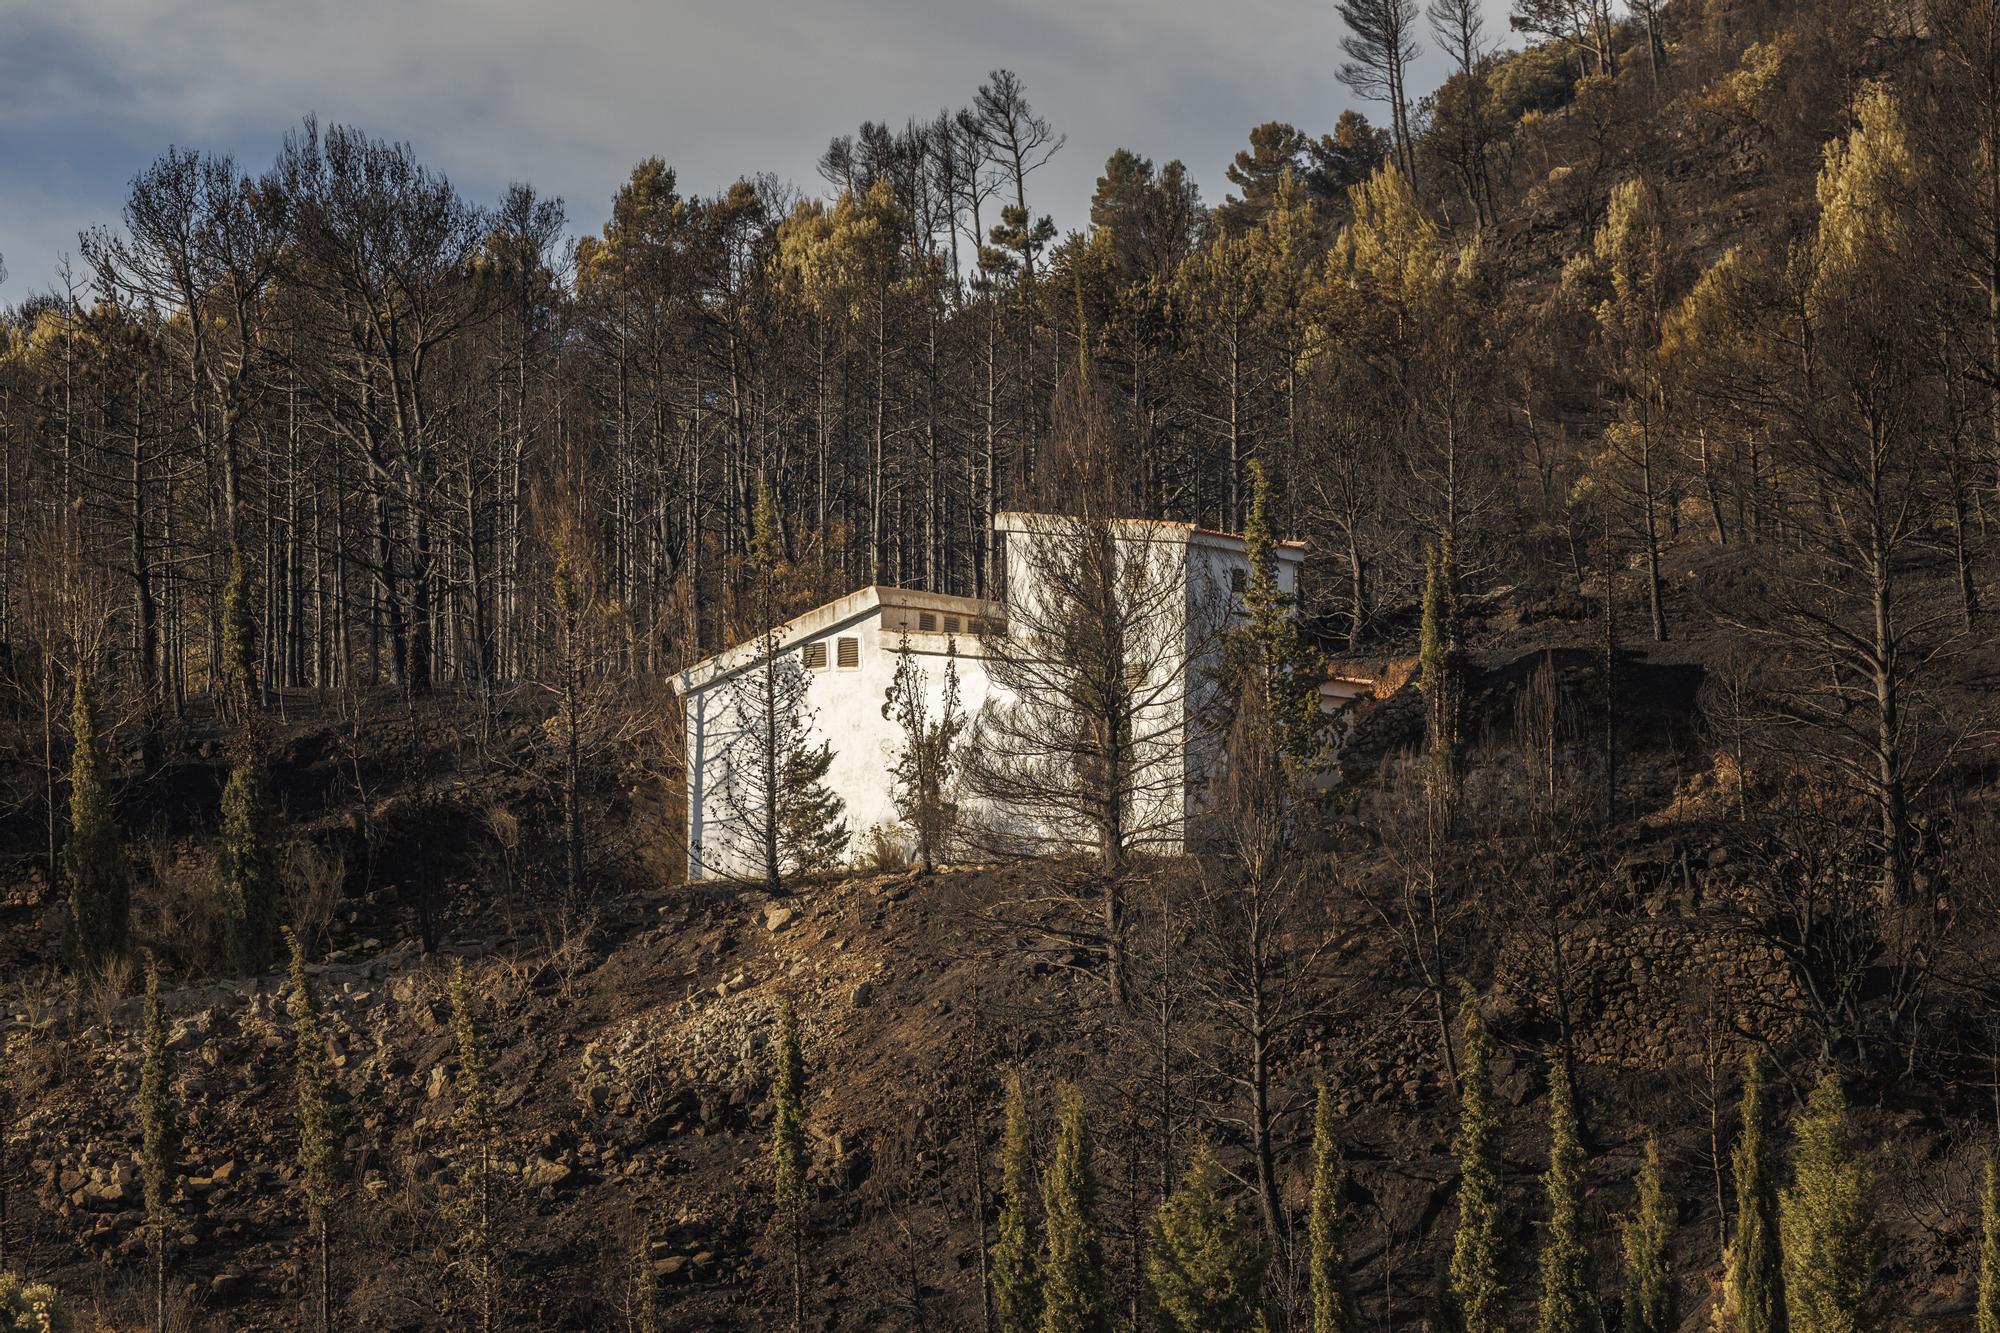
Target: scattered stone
777, 917
862, 995
541, 1173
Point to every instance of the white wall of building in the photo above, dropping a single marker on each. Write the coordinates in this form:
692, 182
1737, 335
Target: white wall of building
847, 702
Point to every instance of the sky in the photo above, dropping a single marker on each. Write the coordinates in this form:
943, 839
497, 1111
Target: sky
568, 94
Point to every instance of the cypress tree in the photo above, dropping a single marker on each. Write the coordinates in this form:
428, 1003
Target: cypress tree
1264, 649
1017, 1297
319, 1122
93, 861
1204, 1272
1827, 1221
250, 881
1473, 1287
1753, 1294
1439, 674
239, 637
1987, 1315
1332, 1307
473, 1124
1568, 1304
788, 1151
1073, 1261
1652, 1296
160, 1150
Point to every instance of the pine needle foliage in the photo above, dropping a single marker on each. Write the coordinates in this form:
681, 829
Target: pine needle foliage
100, 898
1073, 1257
1652, 1294
1474, 1293
1568, 1303
1017, 1296
1753, 1297
249, 860
1332, 1305
1986, 1315
1828, 1224
1204, 1271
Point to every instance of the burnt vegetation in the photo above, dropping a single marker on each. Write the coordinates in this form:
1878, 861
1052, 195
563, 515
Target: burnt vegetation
1628, 956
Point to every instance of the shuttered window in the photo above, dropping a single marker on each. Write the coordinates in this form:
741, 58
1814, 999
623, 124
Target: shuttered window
927, 621
815, 656
951, 624
847, 654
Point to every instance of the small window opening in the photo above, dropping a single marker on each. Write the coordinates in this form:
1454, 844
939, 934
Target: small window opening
927, 621
847, 654
952, 625
1239, 579
815, 656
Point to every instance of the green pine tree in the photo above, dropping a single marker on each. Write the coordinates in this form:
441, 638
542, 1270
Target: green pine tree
319, 1123
1332, 1306
1827, 1220
1652, 1295
1987, 1318
1569, 1304
1753, 1295
100, 902
473, 1126
1473, 1286
160, 1148
1204, 1271
789, 1158
1072, 1258
1264, 649
1017, 1297
249, 861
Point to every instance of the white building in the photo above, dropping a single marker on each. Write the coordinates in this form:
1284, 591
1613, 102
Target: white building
849, 650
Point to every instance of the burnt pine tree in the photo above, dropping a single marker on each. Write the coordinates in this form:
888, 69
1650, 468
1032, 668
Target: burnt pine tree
1652, 1291
1332, 1306
1017, 1296
93, 859
1204, 1271
319, 1126
925, 769
160, 1145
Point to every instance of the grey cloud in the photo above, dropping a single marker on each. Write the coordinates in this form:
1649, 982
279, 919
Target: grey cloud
568, 96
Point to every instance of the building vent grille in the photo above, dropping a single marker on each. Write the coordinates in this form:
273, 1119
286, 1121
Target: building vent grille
847, 654
927, 621
815, 656
952, 625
